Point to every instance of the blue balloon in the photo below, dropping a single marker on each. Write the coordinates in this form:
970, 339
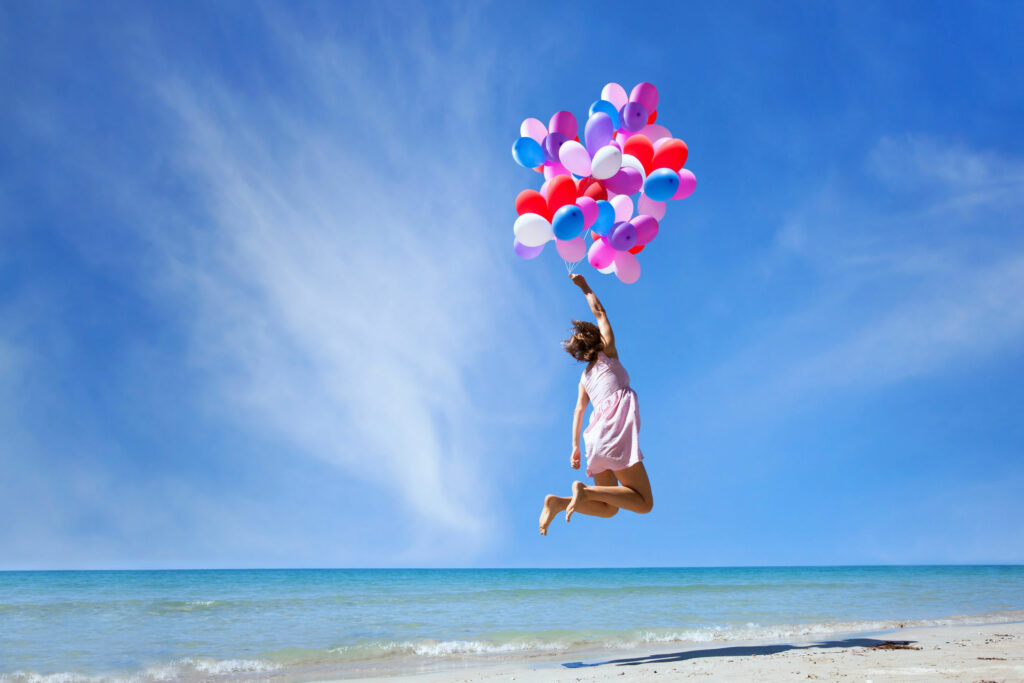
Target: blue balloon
608, 108
661, 184
605, 217
568, 222
527, 152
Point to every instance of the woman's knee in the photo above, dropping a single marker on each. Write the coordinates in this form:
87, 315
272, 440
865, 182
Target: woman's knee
647, 505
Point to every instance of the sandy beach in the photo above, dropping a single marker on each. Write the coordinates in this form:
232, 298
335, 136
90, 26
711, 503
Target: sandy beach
988, 652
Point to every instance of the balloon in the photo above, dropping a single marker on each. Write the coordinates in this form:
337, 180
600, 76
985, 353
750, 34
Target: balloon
601, 254
561, 191
574, 157
605, 218
616, 94
622, 236
671, 154
626, 181
653, 117
588, 205
655, 132
662, 184
596, 192
634, 116
565, 123
630, 161
607, 270
607, 162
637, 249
527, 152
651, 207
555, 169
608, 108
531, 201
525, 252
533, 128
646, 94
623, 206
568, 222
598, 132
552, 143
533, 230
571, 250
640, 147
646, 228
627, 267
687, 184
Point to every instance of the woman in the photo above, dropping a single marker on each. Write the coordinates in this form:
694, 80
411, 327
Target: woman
611, 439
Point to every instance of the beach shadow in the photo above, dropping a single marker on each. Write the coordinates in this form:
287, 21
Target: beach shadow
744, 651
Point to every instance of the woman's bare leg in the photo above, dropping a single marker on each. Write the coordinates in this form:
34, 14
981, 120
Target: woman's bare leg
634, 494
595, 508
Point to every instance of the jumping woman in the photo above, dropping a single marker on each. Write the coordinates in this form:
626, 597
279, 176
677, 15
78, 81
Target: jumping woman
611, 439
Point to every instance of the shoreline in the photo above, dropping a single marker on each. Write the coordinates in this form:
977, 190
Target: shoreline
983, 651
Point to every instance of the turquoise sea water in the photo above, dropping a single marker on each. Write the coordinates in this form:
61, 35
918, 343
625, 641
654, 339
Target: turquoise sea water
300, 624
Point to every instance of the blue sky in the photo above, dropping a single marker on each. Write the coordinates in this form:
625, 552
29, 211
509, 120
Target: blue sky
261, 309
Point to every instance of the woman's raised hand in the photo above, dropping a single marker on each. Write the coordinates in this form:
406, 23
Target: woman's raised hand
579, 281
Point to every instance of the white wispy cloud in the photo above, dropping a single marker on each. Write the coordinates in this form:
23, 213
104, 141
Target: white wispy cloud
345, 271
922, 271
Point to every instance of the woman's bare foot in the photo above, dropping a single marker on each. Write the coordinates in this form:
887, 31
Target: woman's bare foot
552, 504
578, 488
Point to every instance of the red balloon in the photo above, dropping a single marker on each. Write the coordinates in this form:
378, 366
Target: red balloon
531, 201
539, 169
637, 249
561, 191
594, 236
596, 191
671, 154
653, 117
640, 146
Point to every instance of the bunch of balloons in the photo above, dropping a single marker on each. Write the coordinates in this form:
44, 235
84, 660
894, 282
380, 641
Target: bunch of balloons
614, 184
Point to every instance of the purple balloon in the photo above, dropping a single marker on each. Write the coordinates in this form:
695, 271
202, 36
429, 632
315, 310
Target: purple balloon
552, 143
646, 228
627, 181
623, 236
646, 94
598, 132
525, 252
565, 123
634, 116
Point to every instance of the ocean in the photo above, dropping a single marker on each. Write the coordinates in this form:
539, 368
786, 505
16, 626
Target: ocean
293, 625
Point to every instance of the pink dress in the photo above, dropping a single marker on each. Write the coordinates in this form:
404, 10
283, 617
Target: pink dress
611, 439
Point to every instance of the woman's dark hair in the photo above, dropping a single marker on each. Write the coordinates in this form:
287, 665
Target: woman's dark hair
584, 342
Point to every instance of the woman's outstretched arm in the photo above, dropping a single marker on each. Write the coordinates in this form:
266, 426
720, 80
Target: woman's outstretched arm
577, 424
607, 337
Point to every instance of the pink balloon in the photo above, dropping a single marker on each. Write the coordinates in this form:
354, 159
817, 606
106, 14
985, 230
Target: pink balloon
659, 142
544, 188
601, 254
687, 184
627, 267
574, 157
616, 94
553, 169
563, 122
588, 205
533, 128
646, 228
646, 94
623, 206
654, 132
650, 207
571, 250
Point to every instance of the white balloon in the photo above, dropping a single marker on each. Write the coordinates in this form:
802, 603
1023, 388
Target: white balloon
650, 207
616, 94
623, 206
534, 128
633, 162
607, 162
533, 230
574, 157
607, 270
